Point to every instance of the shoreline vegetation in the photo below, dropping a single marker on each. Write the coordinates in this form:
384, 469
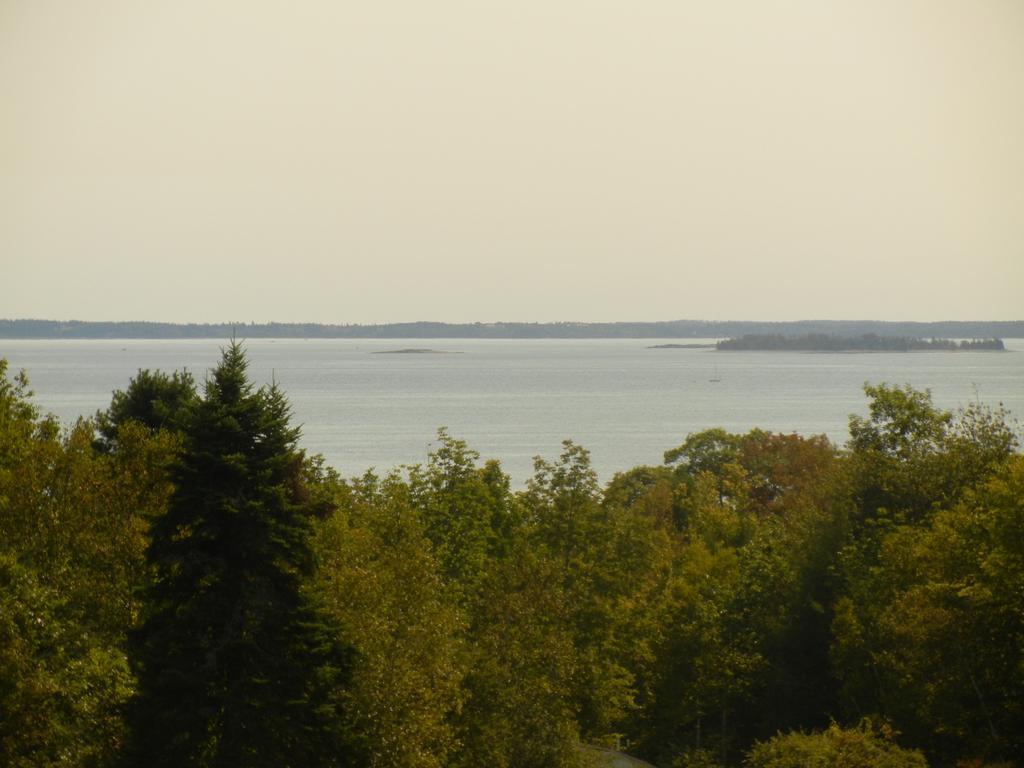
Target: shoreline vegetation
673, 329
869, 342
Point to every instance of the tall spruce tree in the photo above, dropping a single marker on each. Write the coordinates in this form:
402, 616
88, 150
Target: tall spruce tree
236, 666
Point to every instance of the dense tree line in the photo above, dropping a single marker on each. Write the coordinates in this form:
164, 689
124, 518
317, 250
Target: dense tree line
672, 329
868, 342
181, 585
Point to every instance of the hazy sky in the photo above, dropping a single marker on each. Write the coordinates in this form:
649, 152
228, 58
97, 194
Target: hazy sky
386, 160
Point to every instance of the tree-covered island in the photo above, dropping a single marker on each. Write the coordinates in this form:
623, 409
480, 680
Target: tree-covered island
868, 342
181, 585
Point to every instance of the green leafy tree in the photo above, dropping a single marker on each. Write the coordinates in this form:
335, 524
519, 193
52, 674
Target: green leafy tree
708, 454
72, 530
704, 663
796, 512
782, 604
519, 710
154, 399
707, 451
917, 634
468, 512
648, 492
908, 458
614, 563
381, 581
60, 683
237, 665
943, 631
742, 645
563, 499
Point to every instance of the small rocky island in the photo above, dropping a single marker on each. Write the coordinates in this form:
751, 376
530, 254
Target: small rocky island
414, 351
682, 346
869, 342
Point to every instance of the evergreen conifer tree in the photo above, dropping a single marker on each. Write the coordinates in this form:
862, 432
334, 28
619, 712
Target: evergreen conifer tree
237, 667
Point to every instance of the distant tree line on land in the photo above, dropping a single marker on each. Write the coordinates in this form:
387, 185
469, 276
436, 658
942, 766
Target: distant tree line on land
180, 585
868, 342
76, 329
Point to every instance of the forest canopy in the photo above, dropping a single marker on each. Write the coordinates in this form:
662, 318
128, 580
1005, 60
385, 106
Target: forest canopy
181, 584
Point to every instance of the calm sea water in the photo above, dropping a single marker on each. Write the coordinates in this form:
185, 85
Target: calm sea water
514, 399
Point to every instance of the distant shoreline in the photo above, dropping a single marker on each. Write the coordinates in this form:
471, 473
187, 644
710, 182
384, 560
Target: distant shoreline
674, 329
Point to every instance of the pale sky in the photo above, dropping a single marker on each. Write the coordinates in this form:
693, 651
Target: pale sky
395, 160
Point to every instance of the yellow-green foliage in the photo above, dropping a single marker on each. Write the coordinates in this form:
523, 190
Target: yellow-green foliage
862, 747
378, 577
72, 525
755, 584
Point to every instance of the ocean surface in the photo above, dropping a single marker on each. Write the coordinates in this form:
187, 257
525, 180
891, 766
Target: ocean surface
516, 399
